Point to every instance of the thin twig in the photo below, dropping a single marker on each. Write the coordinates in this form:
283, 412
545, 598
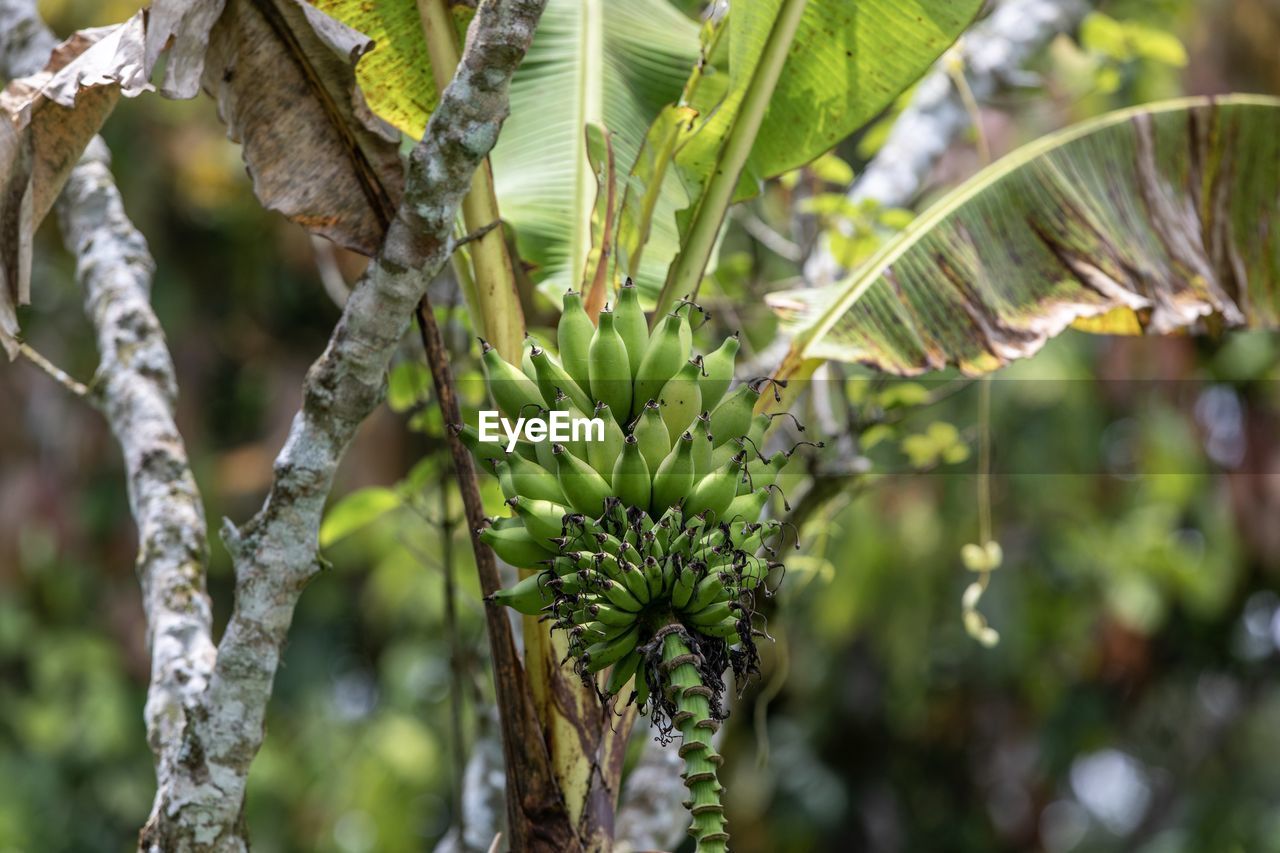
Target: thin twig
54, 372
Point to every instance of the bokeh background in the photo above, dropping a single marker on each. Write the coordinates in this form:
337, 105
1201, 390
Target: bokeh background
1133, 702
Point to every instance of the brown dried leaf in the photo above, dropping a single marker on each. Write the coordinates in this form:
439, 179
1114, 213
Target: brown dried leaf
50, 118
182, 27
283, 75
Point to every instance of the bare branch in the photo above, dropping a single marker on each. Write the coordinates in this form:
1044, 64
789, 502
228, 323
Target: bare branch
57, 374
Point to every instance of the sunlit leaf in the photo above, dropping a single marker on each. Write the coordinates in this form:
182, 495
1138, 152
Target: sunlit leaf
1158, 219
356, 510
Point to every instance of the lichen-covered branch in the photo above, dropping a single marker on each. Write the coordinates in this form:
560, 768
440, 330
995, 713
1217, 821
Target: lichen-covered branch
136, 390
992, 54
274, 554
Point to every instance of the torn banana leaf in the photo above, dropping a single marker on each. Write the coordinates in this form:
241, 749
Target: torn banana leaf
1152, 220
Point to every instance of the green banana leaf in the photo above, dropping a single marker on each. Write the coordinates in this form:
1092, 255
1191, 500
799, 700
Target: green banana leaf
613, 63
848, 61
1151, 220
760, 113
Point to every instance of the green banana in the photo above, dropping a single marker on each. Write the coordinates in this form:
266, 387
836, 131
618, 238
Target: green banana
703, 446
674, 476
717, 612
515, 546
725, 629
681, 398
585, 489
622, 673
630, 478
631, 324
603, 454
511, 389
707, 591
531, 480
619, 596
732, 418
552, 379
606, 652
611, 615
529, 596
662, 359
543, 519
641, 694
718, 371
610, 370
714, 492
651, 431
573, 337
682, 589
748, 506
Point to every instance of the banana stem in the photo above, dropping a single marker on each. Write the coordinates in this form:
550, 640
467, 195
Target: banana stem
693, 718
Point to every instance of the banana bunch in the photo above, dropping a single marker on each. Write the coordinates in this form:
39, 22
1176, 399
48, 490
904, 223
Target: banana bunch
645, 539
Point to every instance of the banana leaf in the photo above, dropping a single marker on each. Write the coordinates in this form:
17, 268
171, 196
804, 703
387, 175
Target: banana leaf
1153, 220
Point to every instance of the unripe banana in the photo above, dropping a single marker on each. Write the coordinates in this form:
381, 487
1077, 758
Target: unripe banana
747, 507
630, 479
681, 398
470, 437
585, 489
515, 546
531, 480
610, 370
661, 360
651, 431
610, 614
631, 324
725, 629
552, 379
502, 471
653, 578
674, 476
703, 446
622, 673
641, 694
573, 337
543, 519
718, 612
732, 418
608, 652
604, 454
685, 312
619, 596
708, 590
514, 392
718, 371
682, 589
529, 596
714, 492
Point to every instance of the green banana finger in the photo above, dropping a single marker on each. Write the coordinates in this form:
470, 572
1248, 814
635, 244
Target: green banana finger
585, 489
531, 480
681, 398
622, 672
661, 360
732, 417
607, 652
630, 478
651, 431
703, 446
717, 612
603, 454
674, 476
641, 693
529, 596
610, 370
631, 324
725, 629
610, 615
707, 591
573, 337
718, 371
514, 392
515, 546
543, 519
713, 493
552, 379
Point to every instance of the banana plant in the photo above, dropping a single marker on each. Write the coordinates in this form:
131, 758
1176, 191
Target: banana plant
1153, 220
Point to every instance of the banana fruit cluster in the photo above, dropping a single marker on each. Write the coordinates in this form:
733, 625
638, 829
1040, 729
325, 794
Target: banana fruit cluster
658, 520
646, 543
